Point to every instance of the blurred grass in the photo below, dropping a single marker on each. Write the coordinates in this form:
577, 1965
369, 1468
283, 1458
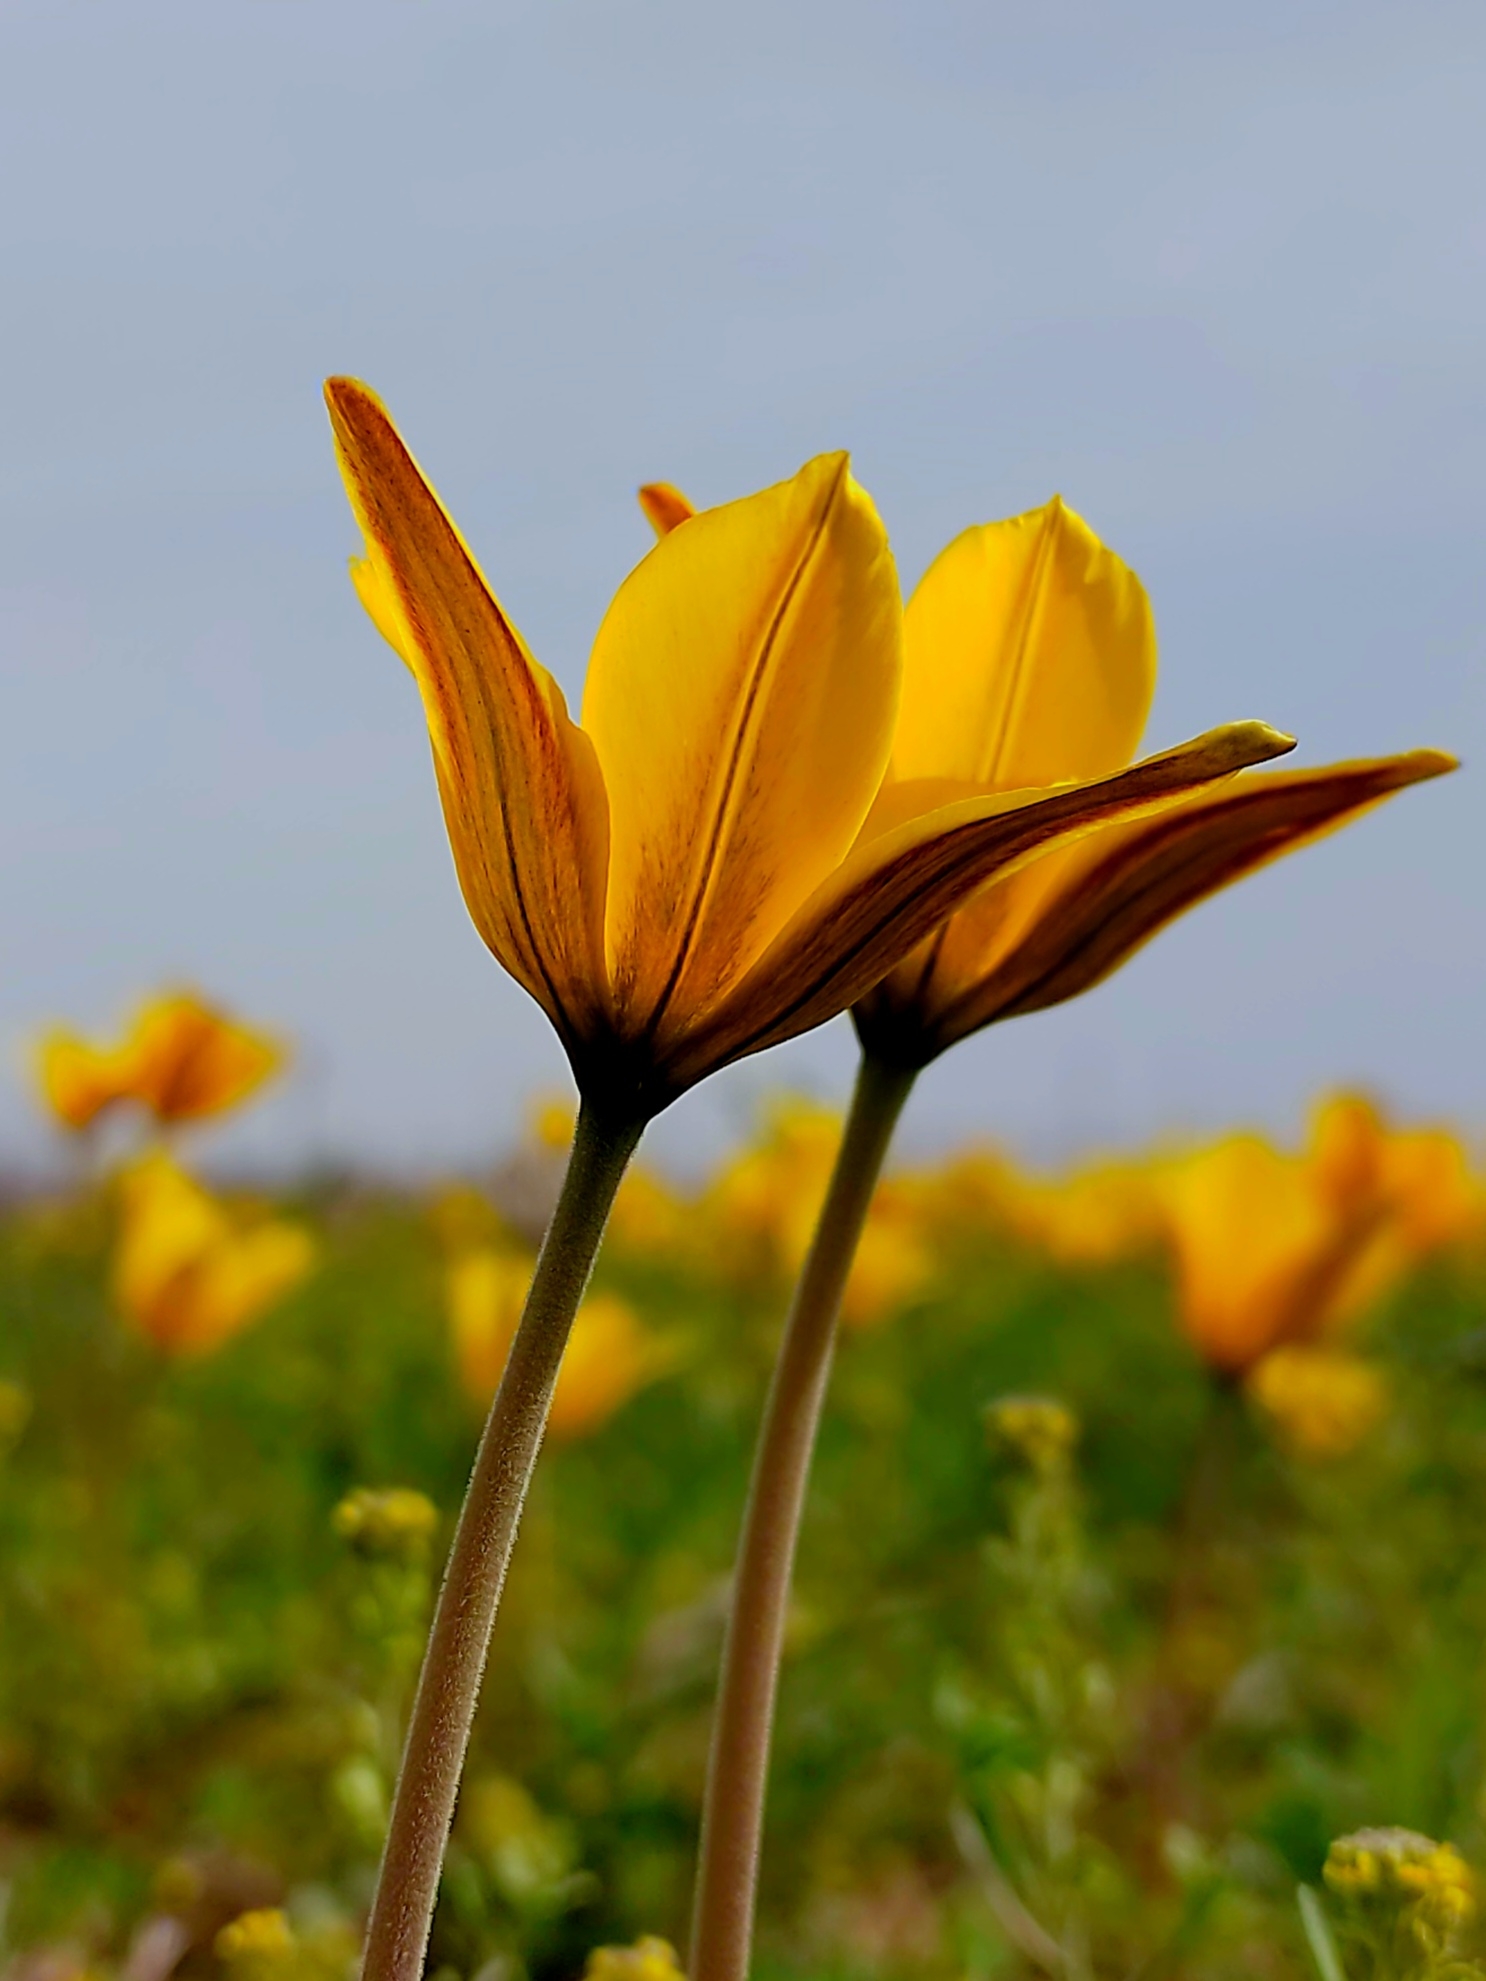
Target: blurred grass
1158, 1684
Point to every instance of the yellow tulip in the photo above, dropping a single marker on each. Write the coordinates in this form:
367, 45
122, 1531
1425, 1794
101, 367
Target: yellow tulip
610, 1355
1273, 1249
706, 866
185, 1273
1031, 655
181, 1058
1030, 659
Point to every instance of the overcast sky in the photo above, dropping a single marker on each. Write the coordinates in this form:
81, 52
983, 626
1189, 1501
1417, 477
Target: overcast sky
1217, 274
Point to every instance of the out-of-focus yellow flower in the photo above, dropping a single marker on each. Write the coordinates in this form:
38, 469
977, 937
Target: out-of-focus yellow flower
1406, 1868
185, 1273
15, 1411
649, 1959
760, 1211
181, 1058
464, 1218
1039, 1429
703, 868
262, 1936
387, 1520
1273, 1249
650, 1219
1324, 1400
552, 1118
1098, 1213
610, 1354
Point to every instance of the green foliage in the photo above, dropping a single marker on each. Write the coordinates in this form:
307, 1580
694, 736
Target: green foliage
1093, 1710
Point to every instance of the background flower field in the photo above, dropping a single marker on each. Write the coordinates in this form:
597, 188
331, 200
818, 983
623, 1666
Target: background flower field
1093, 1655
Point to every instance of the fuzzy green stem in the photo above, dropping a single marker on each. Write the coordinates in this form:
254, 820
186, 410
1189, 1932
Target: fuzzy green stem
454, 1663
737, 1777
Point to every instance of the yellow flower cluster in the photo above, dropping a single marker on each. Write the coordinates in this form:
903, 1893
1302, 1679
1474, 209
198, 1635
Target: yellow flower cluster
1039, 1429
390, 1520
258, 1937
649, 1959
1274, 1255
1324, 1400
1405, 1868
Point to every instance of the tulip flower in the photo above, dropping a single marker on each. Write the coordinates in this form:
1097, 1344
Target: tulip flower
1274, 1250
1030, 658
182, 1059
186, 1274
707, 865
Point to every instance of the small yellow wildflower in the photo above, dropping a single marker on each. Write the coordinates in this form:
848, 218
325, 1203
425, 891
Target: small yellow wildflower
387, 1520
262, 1936
649, 1959
1404, 1868
1324, 1400
552, 1118
1039, 1429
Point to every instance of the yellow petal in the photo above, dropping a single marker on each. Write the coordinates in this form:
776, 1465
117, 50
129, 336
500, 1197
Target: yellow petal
78, 1081
486, 1291
186, 1277
522, 794
741, 697
1068, 920
240, 1281
898, 886
1248, 1232
189, 1060
1029, 657
609, 1357
665, 506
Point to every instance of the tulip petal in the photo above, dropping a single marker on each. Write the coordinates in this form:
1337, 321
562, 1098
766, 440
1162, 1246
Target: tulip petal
1029, 657
665, 506
1064, 923
741, 697
522, 793
898, 886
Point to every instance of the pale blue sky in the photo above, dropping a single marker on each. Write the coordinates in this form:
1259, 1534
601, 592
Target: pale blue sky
1218, 275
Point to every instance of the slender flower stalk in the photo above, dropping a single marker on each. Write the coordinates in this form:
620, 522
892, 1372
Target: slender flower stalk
1030, 657
699, 870
722, 1925
454, 1663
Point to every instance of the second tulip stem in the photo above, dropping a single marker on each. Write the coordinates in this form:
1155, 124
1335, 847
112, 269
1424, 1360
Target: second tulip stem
454, 1663
733, 1810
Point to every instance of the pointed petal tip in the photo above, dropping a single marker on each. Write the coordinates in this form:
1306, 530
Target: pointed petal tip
1429, 763
347, 397
664, 506
1267, 741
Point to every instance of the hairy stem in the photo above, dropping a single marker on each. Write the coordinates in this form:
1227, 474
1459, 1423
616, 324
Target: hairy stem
733, 1811
454, 1663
